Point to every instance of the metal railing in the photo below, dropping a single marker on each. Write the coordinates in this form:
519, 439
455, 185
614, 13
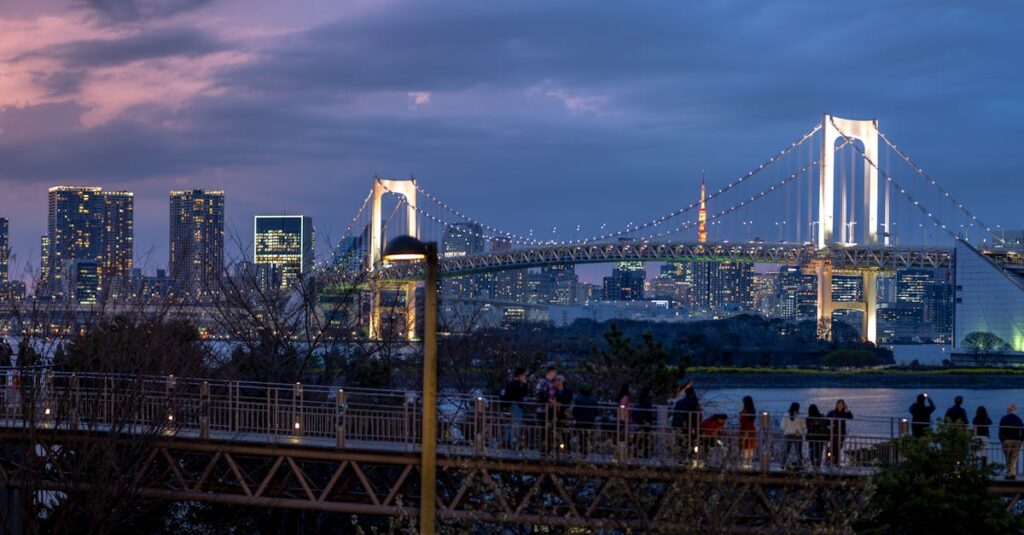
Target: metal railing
389, 420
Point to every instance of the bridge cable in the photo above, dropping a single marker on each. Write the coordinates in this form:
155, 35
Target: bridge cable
936, 185
652, 223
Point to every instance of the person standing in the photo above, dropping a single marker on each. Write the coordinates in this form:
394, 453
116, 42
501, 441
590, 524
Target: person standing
686, 417
817, 434
513, 396
793, 428
563, 400
921, 415
1011, 433
644, 418
546, 404
837, 429
584, 413
748, 430
981, 424
956, 414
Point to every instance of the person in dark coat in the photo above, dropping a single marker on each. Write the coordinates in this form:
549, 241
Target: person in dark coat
981, 423
686, 418
512, 397
645, 418
585, 409
956, 414
817, 434
921, 415
1011, 433
837, 429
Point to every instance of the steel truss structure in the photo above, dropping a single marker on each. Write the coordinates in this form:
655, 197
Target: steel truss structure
843, 258
477, 490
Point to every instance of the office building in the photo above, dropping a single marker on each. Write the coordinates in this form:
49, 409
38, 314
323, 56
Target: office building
286, 243
196, 259
81, 281
626, 283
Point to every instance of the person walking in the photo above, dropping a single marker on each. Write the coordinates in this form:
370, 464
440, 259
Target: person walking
513, 396
793, 428
921, 415
956, 414
837, 430
981, 423
748, 430
686, 417
817, 434
1011, 433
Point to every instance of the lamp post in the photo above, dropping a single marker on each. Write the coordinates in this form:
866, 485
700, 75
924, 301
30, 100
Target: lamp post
410, 248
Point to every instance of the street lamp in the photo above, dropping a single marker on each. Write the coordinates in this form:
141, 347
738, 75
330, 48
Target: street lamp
409, 248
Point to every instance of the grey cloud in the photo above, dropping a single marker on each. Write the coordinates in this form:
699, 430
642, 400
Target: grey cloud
138, 10
147, 44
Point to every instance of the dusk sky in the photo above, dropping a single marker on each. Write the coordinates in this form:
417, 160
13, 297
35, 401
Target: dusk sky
525, 114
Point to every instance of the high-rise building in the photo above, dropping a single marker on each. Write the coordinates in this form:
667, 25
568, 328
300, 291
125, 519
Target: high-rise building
196, 259
350, 253
669, 288
82, 281
85, 223
74, 232
285, 242
729, 285
5, 255
463, 239
626, 283
797, 293
558, 284
118, 234
764, 293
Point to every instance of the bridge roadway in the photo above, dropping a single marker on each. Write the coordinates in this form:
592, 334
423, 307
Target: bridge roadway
356, 451
850, 258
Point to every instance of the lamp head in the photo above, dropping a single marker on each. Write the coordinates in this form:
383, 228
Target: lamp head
405, 247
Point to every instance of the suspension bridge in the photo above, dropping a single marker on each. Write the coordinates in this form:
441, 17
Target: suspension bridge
842, 199
356, 451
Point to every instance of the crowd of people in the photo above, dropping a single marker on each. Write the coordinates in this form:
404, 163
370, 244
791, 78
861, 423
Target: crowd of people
1010, 427
553, 406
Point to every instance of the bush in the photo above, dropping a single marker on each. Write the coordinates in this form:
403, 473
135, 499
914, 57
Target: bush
940, 487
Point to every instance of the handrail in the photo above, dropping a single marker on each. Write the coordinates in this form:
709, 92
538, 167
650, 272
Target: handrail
389, 420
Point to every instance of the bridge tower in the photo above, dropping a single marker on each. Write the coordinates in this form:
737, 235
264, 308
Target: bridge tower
865, 131
374, 251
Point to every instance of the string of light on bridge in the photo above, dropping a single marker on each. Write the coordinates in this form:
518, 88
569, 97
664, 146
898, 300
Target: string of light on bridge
631, 229
936, 185
916, 203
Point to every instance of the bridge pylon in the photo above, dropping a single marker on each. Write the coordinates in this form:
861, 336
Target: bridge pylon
865, 131
406, 188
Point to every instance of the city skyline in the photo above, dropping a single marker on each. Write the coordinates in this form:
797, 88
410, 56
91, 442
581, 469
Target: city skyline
155, 95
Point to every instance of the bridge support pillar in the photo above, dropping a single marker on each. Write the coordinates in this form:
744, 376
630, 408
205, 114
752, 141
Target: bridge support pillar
375, 249
869, 320
823, 269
